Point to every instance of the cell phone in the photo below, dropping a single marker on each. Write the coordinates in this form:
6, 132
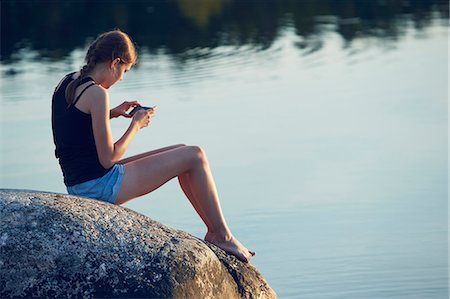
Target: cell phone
137, 108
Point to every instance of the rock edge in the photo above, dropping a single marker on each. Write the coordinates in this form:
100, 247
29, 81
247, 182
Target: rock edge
57, 245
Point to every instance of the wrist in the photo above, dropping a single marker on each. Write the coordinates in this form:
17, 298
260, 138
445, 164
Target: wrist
134, 126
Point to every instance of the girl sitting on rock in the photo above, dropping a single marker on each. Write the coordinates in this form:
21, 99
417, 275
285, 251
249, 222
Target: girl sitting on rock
91, 161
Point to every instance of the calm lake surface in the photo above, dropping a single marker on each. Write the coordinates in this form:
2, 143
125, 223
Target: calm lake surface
327, 138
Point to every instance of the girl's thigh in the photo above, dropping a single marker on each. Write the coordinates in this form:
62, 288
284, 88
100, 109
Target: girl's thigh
148, 173
149, 153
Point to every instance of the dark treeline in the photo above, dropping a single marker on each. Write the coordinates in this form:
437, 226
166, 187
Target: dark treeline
54, 28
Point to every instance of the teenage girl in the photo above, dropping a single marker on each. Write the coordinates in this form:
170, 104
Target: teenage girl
91, 161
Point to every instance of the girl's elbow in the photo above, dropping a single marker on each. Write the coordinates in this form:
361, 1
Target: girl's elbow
107, 160
106, 163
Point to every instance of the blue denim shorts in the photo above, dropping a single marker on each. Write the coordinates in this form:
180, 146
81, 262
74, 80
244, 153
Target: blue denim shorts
105, 188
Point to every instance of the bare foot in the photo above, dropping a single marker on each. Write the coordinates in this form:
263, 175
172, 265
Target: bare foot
231, 246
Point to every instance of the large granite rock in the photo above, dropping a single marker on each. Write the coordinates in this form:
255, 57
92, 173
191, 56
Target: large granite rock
55, 245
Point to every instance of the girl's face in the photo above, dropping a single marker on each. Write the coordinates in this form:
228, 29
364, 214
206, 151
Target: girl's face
116, 71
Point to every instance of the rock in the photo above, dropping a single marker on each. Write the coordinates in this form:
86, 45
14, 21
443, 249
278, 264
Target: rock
55, 245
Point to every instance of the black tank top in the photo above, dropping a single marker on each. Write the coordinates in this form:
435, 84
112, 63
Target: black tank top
74, 138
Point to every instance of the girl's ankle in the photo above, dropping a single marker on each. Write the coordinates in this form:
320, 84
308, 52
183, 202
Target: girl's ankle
220, 235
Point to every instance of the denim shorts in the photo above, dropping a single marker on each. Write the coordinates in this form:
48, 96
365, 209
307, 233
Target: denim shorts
105, 188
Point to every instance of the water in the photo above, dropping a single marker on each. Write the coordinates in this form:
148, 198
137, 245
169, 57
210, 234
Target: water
329, 149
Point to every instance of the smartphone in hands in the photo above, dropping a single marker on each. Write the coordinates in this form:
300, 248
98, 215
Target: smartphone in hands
137, 108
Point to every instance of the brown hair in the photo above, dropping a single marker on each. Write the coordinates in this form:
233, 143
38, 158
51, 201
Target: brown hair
107, 47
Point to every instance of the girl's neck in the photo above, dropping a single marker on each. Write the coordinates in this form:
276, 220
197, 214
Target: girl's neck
98, 73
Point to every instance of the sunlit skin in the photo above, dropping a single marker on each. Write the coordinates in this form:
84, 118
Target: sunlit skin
146, 172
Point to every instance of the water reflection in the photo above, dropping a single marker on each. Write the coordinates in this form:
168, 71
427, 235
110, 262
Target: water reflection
54, 29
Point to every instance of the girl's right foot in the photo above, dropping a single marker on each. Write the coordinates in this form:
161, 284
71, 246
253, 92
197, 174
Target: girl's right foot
230, 245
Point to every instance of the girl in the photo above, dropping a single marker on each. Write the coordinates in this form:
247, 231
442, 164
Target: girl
91, 162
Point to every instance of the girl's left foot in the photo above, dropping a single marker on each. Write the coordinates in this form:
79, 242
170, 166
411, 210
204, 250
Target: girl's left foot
230, 245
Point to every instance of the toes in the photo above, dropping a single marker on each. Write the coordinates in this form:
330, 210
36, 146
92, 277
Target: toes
241, 256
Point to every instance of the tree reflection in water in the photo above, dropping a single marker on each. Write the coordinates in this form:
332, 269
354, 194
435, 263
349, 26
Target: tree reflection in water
54, 29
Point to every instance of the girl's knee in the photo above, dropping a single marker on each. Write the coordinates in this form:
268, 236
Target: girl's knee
197, 153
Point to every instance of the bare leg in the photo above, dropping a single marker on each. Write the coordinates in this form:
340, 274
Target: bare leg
186, 187
218, 233
182, 178
149, 173
210, 235
146, 154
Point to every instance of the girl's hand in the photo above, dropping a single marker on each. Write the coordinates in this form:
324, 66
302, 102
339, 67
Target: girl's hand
122, 109
142, 117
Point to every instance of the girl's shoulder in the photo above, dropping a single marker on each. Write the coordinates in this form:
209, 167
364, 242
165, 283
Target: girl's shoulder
96, 91
89, 96
92, 90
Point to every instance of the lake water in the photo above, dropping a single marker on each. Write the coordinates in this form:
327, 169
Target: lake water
330, 155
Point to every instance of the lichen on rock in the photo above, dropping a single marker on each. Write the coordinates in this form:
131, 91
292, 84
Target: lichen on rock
56, 245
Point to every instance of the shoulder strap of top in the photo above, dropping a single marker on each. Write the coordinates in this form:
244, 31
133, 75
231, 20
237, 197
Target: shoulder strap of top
81, 93
85, 79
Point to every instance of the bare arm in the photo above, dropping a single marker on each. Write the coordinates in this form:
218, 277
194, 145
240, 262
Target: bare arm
109, 152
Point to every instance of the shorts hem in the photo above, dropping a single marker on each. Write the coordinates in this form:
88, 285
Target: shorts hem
105, 188
118, 184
